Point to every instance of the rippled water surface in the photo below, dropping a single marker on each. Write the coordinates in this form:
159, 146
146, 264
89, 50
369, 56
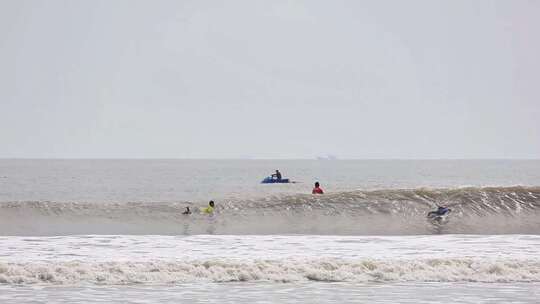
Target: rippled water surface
310, 292
80, 231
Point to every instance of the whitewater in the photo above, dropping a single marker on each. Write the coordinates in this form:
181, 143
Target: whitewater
109, 260
79, 231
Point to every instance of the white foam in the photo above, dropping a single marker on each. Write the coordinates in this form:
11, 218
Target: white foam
162, 272
122, 259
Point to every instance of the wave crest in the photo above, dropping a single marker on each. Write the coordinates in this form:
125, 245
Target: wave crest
490, 210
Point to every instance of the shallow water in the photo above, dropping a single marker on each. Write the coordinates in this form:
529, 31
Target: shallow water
308, 292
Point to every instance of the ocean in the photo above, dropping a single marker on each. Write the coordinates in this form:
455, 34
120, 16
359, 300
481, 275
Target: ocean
79, 231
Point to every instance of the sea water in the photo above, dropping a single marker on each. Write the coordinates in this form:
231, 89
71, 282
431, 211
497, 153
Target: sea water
78, 231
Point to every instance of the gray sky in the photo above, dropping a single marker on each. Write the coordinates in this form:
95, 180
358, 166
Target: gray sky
273, 79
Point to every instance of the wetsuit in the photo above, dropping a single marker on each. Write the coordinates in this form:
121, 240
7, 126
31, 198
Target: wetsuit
440, 211
208, 210
317, 190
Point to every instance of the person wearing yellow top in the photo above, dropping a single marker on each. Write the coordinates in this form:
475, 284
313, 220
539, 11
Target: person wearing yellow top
209, 209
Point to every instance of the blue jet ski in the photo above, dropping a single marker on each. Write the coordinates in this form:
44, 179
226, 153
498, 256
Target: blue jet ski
271, 180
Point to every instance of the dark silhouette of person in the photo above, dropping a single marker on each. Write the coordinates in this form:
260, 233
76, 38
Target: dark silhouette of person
277, 175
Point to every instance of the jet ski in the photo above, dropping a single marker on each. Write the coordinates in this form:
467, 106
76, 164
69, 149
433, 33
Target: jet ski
271, 180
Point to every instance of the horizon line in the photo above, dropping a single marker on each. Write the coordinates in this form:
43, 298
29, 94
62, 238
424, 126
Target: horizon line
258, 158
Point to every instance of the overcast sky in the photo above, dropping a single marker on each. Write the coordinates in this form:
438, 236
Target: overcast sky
270, 79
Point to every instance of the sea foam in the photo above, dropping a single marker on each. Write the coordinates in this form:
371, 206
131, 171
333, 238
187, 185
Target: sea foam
328, 270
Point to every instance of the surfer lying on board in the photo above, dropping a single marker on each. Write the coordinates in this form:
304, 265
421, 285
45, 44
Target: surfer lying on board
439, 212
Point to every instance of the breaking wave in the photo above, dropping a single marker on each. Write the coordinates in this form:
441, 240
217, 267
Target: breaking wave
330, 270
489, 210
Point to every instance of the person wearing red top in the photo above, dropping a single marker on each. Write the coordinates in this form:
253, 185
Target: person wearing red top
317, 189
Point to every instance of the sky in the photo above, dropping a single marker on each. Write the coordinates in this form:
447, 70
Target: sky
269, 79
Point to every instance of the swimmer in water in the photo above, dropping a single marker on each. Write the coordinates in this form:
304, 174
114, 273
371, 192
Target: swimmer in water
209, 209
187, 211
317, 189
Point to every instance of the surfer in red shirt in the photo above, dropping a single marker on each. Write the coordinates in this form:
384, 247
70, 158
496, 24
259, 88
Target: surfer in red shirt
317, 189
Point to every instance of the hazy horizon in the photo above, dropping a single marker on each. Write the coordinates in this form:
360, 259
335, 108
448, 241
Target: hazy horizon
269, 80
280, 159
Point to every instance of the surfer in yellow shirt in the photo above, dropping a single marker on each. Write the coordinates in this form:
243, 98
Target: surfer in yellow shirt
209, 209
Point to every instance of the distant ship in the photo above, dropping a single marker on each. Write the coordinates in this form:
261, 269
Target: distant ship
327, 157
